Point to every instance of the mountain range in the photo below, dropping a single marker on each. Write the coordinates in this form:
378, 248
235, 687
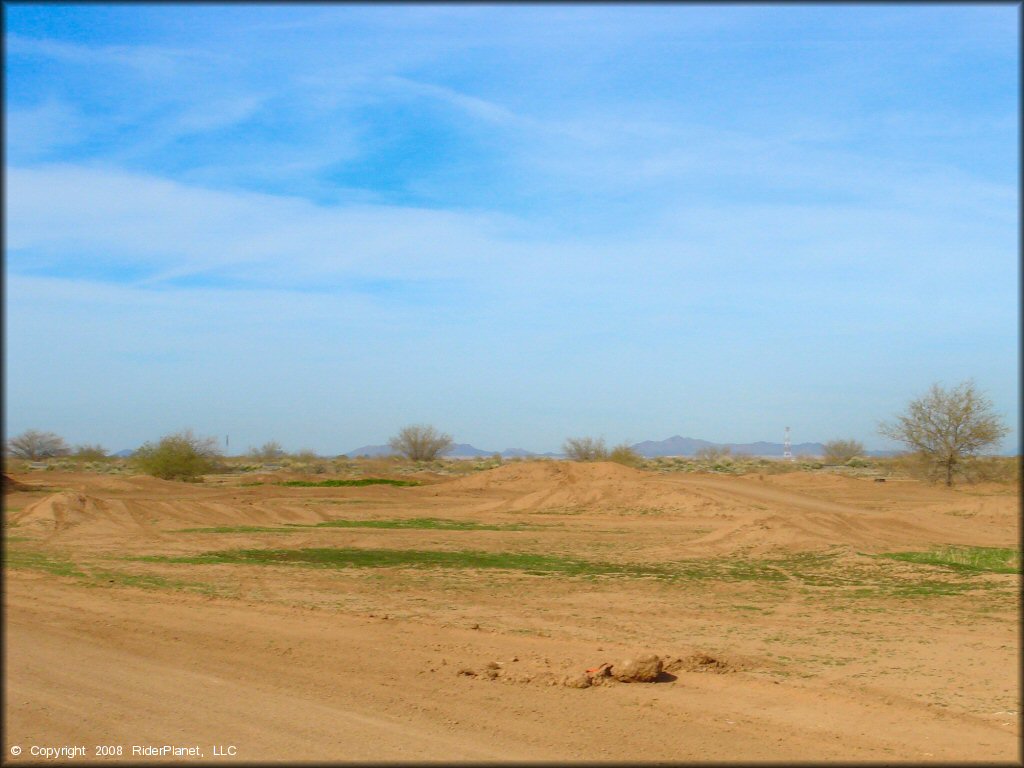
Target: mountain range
672, 446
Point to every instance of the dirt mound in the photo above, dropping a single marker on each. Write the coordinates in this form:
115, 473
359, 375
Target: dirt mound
541, 485
12, 486
70, 509
530, 474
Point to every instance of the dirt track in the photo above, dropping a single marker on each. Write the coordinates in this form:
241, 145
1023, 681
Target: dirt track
290, 663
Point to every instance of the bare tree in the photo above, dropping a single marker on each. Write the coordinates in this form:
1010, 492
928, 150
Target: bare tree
34, 445
420, 442
841, 451
946, 427
585, 449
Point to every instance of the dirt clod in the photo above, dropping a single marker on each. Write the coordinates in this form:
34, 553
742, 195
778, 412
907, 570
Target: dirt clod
581, 680
643, 668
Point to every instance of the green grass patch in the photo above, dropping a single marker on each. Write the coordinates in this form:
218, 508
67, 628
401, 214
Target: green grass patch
427, 523
964, 559
25, 559
346, 483
39, 561
415, 558
723, 569
147, 581
816, 575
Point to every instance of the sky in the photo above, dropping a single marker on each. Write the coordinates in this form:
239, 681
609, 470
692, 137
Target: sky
317, 224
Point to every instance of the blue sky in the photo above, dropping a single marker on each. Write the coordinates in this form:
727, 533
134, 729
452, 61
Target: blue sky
319, 223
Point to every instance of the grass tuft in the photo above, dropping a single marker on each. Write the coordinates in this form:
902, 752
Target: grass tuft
968, 559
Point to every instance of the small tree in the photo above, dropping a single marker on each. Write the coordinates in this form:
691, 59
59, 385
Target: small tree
947, 427
841, 451
420, 442
181, 456
585, 449
34, 445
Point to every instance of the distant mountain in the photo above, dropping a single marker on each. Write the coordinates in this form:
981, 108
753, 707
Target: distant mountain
371, 450
465, 450
126, 453
689, 446
672, 446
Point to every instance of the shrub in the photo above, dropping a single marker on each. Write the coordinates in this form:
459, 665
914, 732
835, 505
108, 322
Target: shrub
623, 454
268, 452
420, 442
305, 456
181, 456
713, 453
585, 449
91, 453
841, 451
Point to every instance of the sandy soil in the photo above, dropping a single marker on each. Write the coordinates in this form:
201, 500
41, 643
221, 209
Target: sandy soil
817, 651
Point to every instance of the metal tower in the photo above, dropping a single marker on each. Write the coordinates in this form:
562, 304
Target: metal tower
787, 452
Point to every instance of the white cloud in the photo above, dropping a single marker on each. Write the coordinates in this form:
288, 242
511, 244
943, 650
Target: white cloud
38, 131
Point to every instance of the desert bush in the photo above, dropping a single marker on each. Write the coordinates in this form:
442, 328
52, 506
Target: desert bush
421, 442
305, 456
993, 469
623, 454
90, 453
712, 453
35, 445
181, 456
841, 451
268, 452
585, 449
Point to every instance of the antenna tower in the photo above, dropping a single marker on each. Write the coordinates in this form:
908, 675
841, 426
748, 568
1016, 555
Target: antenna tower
787, 452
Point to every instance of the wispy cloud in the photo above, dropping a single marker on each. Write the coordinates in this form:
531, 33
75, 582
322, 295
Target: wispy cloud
559, 209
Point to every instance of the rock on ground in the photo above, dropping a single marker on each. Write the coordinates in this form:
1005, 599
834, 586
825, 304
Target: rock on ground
639, 669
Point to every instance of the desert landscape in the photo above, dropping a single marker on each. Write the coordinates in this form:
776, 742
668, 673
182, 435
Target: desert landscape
495, 615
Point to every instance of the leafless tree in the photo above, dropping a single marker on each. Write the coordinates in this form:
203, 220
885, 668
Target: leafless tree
34, 445
947, 427
420, 442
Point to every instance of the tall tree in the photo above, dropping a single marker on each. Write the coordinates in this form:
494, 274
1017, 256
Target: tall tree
947, 426
34, 445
